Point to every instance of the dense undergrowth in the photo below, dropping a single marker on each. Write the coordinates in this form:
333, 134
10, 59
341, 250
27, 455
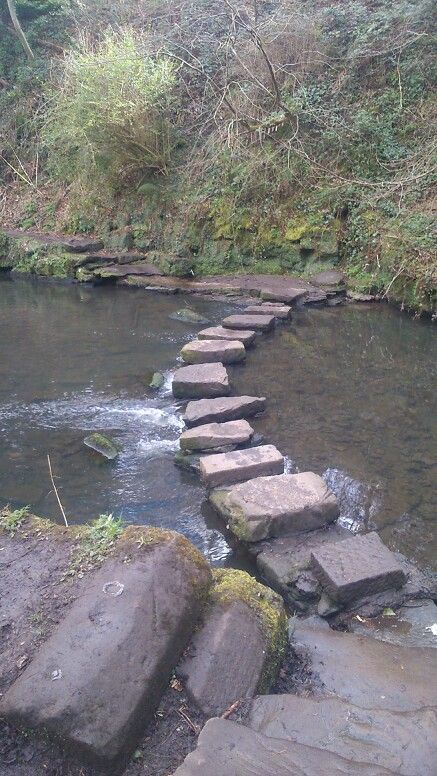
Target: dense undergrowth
247, 135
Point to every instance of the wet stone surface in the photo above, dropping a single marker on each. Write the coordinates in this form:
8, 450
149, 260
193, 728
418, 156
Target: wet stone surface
257, 322
213, 435
223, 409
227, 468
207, 351
201, 380
220, 333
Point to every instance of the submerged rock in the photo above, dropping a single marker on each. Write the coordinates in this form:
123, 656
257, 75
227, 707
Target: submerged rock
187, 315
103, 445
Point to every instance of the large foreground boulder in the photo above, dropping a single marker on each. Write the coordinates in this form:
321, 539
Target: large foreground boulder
99, 678
239, 646
227, 468
272, 506
216, 435
227, 749
201, 380
206, 351
222, 409
368, 673
405, 742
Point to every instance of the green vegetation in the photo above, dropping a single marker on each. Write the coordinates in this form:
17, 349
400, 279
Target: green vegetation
96, 541
238, 136
12, 520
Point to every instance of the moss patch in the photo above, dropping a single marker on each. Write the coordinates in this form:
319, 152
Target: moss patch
232, 585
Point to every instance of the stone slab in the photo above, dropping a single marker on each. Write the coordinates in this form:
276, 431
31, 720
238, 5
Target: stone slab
268, 507
220, 333
226, 658
414, 625
406, 743
222, 409
257, 322
212, 435
201, 380
99, 678
357, 567
226, 748
227, 468
369, 673
207, 351
279, 311
286, 296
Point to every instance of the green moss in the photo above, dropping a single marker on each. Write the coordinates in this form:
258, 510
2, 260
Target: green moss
232, 585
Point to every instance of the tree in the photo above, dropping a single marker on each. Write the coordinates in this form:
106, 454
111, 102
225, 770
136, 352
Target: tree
18, 28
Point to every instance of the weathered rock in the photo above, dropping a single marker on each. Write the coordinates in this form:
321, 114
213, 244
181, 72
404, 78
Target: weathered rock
157, 380
190, 462
103, 445
369, 673
414, 625
279, 311
257, 322
406, 743
222, 409
123, 269
207, 351
226, 748
359, 566
227, 468
273, 506
99, 678
220, 333
355, 296
80, 245
212, 435
200, 380
331, 277
286, 564
287, 296
186, 315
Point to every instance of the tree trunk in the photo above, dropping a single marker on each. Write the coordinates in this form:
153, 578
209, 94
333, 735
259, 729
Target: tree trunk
18, 29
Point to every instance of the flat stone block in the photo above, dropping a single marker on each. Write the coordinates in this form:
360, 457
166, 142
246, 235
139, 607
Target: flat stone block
288, 296
227, 468
359, 566
226, 748
212, 435
207, 351
220, 333
273, 506
369, 673
404, 743
226, 658
99, 678
279, 311
257, 322
200, 380
225, 408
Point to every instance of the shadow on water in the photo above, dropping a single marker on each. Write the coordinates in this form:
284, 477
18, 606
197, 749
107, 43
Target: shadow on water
351, 395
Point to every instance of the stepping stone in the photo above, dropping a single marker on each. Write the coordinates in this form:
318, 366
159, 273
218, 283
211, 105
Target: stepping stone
282, 311
286, 297
227, 748
100, 676
214, 673
366, 672
227, 468
212, 435
197, 381
272, 506
357, 567
404, 743
258, 322
207, 351
230, 408
220, 333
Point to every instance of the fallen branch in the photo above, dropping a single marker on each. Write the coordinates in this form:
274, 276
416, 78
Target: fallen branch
56, 491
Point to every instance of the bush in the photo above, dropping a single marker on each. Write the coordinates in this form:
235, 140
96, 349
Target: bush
109, 115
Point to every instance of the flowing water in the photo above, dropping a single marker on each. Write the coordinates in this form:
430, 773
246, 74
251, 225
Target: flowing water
351, 394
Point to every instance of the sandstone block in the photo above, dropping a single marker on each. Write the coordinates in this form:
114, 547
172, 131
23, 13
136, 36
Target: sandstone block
212, 435
200, 380
227, 468
257, 322
220, 333
222, 409
207, 351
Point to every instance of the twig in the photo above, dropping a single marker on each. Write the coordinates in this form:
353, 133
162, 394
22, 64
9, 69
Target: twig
56, 491
185, 716
231, 709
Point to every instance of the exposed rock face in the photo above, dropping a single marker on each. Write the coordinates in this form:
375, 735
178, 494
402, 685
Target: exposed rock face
369, 673
213, 435
227, 468
402, 742
228, 749
220, 333
99, 678
231, 408
257, 322
279, 311
226, 658
207, 351
273, 506
359, 566
201, 380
